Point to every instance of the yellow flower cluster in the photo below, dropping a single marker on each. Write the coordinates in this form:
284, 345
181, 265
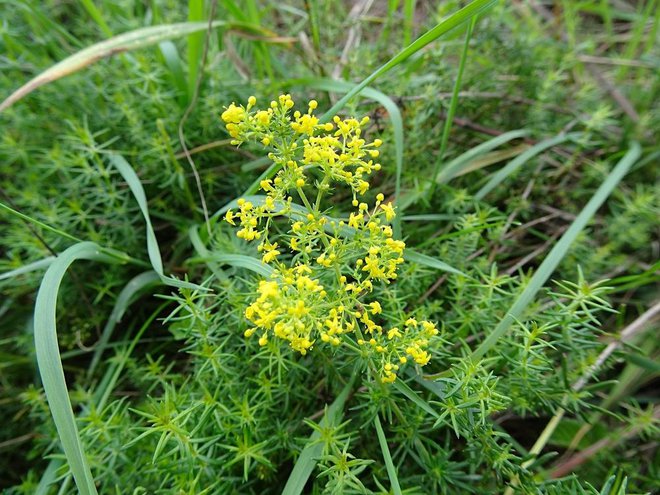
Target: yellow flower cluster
324, 268
288, 307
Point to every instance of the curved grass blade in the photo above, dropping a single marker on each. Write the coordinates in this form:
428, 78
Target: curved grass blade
30, 267
391, 470
200, 248
50, 363
240, 261
131, 290
519, 161
306, 462
135, 185
173, 62
431, 262
454, 167
451, 22
559, 250
132, 40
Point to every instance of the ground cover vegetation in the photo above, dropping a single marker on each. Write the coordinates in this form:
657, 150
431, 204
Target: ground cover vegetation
329, 247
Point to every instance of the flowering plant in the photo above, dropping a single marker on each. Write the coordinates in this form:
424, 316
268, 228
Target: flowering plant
328, 274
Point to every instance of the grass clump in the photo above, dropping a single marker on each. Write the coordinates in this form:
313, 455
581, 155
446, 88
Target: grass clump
437, 276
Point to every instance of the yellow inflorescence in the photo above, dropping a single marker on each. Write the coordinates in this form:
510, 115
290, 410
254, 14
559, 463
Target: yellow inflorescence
324, 269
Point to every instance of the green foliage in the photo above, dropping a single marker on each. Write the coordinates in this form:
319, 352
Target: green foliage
529, 216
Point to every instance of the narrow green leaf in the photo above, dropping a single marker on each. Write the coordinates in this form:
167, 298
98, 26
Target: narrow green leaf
404, 389
454, 167
30, 267
453, 104
136, 188
195, 43
391, 470
519, 161
95, 14
644, 362
559, 251
425, 260
173, 63
127, 295
50, 363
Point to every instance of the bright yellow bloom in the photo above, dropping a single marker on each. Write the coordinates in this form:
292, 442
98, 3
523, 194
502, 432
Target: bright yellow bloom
389, 211
233, 114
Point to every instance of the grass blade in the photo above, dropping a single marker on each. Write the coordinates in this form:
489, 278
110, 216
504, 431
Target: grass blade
391, 470
306, 462
30, 267
410, 394
559, 251
50, 362
455, 166
173, 62
453, 104
132, 40
127, 295
95, 14
425, 260
195, 43
519, 161
135, 185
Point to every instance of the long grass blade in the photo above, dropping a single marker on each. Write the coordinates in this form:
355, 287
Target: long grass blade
519, 161
410, 394
195, 43
306, 462
30, 267
50, 362
173, 62
453, 104
128, 294
153, 250
125, 42
559, 251
423, 259
389, 465
454, 167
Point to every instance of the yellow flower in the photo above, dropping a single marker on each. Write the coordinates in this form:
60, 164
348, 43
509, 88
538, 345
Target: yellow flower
233, 114
263, 117
389, 211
